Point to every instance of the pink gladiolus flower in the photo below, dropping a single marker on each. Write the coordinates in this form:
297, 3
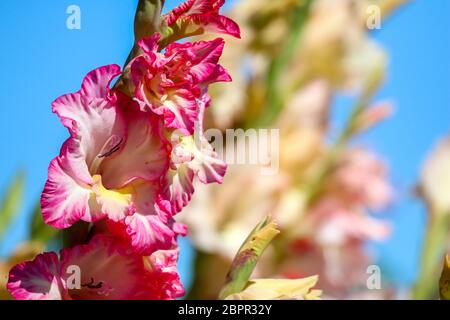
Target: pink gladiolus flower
111, 165
107, 269
198, 16
170, 84
336, 224
363, 178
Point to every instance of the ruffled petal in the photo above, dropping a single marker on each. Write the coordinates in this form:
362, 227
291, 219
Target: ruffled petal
203, 57
63, 200
205, 163
177, 190
194, 14
145, 233
150, 44
216, 24
96, 83
148, 229
144, 155
179, 111
165, 279
190, 7
91, 120
37, 280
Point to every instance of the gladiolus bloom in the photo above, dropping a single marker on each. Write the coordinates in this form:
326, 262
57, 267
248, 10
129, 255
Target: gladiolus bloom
170, 84
103, 269
111, 165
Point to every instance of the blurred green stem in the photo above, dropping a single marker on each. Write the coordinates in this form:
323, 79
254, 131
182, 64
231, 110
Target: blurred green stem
275, 94
147, 21
335, 152
314, 186
427, 285
11, 202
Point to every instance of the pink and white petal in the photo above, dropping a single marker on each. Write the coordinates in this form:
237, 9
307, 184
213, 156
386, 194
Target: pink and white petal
146, 230
39, 279
109, 271
96, 83
180, 111
92, 121
180, 229
144, 233
144, 155
177, 190
216, 24
66, 108
178, 12
73, 161
206, 163
202, 55
165, 281
63, 200
190, 7
219, 74
205, 14
139, 68
150, 44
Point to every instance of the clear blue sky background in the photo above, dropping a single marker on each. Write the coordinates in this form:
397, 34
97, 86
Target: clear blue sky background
41, 59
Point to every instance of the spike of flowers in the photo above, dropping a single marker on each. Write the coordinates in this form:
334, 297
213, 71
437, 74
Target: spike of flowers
129, 166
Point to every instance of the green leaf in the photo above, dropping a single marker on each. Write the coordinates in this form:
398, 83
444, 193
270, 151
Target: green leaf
11, 202
39, 231
247, 257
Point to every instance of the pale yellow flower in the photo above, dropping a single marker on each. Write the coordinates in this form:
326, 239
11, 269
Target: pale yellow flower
444, 281
435, 178
279, 289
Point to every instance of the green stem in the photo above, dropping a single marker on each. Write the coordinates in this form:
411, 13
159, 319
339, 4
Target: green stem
147, 21
432, 252
275, 95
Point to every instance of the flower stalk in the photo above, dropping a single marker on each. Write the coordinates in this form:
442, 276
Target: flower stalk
275, 95
426, 286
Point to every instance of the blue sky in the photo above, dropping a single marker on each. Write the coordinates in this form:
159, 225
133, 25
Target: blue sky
42, 59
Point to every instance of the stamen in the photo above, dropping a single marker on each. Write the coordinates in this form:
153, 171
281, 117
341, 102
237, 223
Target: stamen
91, 284
113, 149
111, 146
